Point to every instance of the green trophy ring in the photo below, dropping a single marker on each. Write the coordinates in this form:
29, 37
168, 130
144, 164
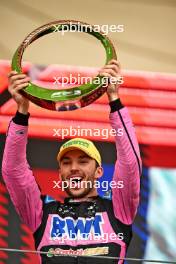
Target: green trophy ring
64, 99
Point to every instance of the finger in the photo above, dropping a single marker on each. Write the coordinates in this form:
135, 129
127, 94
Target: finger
10, 74
105, 74
18, 77
21, 86
114, 62
15, 89
110, 72
112, 79
113, 67
18, 82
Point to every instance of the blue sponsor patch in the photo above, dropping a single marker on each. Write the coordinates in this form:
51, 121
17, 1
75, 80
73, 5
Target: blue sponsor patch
73, 228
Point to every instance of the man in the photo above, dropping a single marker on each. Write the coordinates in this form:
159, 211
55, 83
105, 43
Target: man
85, 224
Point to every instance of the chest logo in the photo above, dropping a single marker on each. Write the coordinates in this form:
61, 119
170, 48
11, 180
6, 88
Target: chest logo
72, 228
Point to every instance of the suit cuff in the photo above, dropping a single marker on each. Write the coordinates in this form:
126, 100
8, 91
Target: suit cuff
116, 105
21, 119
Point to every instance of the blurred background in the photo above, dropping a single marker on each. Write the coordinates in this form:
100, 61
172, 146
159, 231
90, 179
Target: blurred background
146, 51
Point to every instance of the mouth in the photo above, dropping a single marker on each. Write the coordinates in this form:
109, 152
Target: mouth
75, 181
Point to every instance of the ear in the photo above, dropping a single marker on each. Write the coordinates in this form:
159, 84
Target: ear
99, 172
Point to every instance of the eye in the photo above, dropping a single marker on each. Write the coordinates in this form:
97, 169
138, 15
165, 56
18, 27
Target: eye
83, 161
65, 162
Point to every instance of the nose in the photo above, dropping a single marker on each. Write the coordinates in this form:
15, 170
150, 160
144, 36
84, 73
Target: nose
74, 166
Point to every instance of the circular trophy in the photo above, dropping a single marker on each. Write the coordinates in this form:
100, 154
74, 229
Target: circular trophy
64, 99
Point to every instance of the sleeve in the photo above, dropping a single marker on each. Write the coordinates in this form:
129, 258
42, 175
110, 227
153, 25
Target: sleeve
18, 176
128, 165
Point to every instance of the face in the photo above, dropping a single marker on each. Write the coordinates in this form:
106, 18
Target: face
78, 171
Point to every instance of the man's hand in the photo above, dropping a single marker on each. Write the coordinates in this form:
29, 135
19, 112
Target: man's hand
16, 83
112, 69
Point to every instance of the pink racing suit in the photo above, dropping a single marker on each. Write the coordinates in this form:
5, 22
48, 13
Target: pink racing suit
51, 222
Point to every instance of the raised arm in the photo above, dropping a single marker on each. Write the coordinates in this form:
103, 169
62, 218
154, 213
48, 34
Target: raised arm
18, 176
128, 165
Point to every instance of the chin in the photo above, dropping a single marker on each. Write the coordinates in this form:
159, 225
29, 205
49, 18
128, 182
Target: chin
77, 193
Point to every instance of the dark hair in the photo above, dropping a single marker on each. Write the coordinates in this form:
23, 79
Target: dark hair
96, 165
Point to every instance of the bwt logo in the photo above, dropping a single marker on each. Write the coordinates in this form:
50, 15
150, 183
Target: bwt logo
74, 228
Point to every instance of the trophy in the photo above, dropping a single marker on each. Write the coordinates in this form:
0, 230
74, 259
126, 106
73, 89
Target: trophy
64, 99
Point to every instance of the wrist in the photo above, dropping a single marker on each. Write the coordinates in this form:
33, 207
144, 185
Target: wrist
21, 119
116, 105
112, 96
23, 109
